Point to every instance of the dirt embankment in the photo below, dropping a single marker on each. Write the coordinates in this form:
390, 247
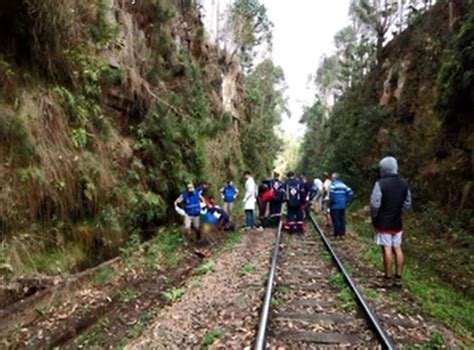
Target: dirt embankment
106, 305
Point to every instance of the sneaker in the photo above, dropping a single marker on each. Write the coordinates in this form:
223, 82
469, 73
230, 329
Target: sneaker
259, 228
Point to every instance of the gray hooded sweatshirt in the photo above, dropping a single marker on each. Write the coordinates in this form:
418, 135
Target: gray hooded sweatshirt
389, 196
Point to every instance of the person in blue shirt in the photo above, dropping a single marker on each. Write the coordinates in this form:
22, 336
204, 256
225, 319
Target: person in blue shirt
229, 193
192, 199
339, 195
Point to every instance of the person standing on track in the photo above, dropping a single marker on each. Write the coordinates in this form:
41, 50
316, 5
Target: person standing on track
389, 197
308, 200
229, 193
192, 200
339, 195
295, 196
277, 199
326, 189
318, 185
250, 197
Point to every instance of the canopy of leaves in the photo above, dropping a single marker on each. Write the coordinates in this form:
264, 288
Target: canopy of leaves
265, 103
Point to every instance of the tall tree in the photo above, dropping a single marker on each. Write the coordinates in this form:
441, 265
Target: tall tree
249, 27
374, 17
265, 104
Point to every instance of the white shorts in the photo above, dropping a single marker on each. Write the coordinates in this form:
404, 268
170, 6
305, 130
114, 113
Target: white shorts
388, 239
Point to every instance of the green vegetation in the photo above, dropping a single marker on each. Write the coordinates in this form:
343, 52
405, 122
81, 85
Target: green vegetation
110, 125
436, 341
104, 275
172, 295
435, 296
336, 280
346, 299
211, 336
194, 283
128, 295
247, 269
276, 302
205, 268
411, 100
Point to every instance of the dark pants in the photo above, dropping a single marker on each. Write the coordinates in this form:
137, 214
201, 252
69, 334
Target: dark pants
338, 221
295, 219
249, 218
275, 211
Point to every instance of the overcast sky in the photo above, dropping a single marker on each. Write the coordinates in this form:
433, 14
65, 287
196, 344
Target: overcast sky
303, 31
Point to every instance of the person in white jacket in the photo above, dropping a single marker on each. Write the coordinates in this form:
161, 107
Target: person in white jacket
250, 198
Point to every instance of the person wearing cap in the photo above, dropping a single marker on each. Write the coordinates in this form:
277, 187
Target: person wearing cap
389, 197
192, 199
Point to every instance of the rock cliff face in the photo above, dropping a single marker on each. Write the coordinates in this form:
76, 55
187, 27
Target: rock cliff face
108, 108
435, 145
416, 105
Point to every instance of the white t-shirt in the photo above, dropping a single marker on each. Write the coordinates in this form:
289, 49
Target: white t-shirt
326, 187
319, 185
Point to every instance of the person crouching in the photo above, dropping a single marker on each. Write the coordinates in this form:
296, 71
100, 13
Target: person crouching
192, 200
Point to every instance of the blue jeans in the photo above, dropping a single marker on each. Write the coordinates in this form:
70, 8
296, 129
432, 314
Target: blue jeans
338, 221
249, 218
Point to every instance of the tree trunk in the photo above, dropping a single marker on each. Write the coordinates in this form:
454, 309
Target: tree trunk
380, 38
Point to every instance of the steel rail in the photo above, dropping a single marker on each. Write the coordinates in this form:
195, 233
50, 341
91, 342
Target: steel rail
262, 327
385, 340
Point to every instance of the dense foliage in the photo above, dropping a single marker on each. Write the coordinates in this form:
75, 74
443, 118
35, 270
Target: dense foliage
416, 106
107, 112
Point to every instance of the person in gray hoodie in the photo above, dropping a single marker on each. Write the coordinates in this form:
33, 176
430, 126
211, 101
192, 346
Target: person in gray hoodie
390, 196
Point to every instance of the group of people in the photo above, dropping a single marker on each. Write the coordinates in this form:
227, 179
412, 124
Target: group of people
330, 196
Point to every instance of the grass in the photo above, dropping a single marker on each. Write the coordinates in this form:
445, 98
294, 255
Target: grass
163, 248
436, 341
194, 283
103, 276
346, 299
205, 268
435, 296
336, 280
325, 256
247, 269
211, 336
276, 303
282, 289
127, 295
172, 295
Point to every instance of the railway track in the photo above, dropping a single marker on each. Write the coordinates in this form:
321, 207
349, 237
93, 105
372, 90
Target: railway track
312, 302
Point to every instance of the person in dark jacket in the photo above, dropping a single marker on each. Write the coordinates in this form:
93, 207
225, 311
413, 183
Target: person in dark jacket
308, 188
389, 197
339, 195
295, 196
277, 199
